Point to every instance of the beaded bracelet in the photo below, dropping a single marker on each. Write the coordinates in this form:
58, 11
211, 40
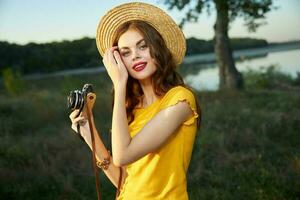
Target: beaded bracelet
105, 163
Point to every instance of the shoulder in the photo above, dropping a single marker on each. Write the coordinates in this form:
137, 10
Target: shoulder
179, 93
181, 101
179, 89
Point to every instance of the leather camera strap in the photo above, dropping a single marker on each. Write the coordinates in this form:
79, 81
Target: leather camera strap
119, 183
94, 153
95, 168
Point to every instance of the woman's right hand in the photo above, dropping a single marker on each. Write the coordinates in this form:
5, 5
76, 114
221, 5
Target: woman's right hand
115, 67
84, 126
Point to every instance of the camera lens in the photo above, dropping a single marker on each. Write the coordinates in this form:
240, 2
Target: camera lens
75, 100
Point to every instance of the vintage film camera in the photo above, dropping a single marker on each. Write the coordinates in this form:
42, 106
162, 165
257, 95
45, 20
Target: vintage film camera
77, 98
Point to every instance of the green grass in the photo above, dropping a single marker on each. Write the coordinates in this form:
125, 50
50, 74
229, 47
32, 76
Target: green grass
247, 148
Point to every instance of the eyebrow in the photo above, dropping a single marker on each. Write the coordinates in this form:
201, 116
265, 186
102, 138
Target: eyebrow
138, 42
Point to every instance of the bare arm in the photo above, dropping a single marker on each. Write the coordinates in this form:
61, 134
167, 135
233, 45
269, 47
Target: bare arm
126, 149
113, 171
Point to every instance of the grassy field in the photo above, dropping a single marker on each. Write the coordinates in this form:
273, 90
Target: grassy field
247, 148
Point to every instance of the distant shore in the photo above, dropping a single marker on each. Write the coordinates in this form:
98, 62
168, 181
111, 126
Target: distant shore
188, 60
240, 54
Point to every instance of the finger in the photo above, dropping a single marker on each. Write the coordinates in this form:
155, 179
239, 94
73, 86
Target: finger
74, 118
78, 120
111, 58
105, 57
82, 122
117, 57
73, 114
112, 49
106, 53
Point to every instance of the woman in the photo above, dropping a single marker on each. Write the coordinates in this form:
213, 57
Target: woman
155, 115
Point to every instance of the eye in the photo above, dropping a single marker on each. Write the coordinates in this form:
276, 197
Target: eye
143, 47
125, 53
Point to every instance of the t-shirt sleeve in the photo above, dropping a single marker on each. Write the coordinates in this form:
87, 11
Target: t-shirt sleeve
180, 94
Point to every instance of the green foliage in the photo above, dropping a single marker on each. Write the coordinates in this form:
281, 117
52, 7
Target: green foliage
296, 81
13, 82
197, 46
40, 156
268, 78
247, 148
55, 56
245, 43
49, 57
253, 12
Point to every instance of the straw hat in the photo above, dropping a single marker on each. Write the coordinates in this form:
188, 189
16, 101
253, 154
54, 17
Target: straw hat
154, 16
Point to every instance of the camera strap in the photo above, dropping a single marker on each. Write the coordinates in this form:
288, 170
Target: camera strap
94, 152
95, 168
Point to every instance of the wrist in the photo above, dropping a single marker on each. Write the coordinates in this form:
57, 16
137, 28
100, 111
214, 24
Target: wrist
120, 90
105, 162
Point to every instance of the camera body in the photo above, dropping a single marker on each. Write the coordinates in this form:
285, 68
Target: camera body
77, 98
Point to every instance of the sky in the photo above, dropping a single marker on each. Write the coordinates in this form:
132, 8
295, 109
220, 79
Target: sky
41, 21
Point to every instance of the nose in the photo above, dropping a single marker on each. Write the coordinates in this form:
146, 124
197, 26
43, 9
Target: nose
135, 55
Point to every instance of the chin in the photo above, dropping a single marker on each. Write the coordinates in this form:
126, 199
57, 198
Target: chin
140, 78
143, 76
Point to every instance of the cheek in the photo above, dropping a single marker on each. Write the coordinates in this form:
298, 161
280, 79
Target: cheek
153, 62
126, 62
147, 54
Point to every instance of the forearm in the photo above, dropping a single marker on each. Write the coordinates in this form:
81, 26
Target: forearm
112, 172
120, 129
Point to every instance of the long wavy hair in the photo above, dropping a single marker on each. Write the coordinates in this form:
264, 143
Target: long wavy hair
164, 78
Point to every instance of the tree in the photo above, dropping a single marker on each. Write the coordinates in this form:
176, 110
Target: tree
253, 12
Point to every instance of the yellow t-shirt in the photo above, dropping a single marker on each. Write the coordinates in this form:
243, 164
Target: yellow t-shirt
161, 175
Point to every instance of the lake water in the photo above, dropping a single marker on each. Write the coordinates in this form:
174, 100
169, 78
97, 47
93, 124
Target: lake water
205, 76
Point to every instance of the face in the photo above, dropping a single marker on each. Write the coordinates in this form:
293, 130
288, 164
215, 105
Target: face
135, 54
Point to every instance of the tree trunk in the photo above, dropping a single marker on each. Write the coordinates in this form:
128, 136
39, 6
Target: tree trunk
230, 78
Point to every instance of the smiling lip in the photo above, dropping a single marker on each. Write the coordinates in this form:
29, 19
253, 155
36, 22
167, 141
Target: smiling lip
139, 66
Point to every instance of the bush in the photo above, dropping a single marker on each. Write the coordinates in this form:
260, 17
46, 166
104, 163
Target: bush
296, 81
268, 78
13, 82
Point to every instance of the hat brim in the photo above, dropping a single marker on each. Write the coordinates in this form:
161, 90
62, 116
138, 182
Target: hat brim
157, 18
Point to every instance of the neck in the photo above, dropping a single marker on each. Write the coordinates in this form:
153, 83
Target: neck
149, 96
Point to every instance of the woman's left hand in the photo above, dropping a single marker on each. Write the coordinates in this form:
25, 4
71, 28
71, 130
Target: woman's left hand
115, 67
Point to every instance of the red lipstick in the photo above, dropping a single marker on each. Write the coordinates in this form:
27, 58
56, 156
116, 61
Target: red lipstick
139, 66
